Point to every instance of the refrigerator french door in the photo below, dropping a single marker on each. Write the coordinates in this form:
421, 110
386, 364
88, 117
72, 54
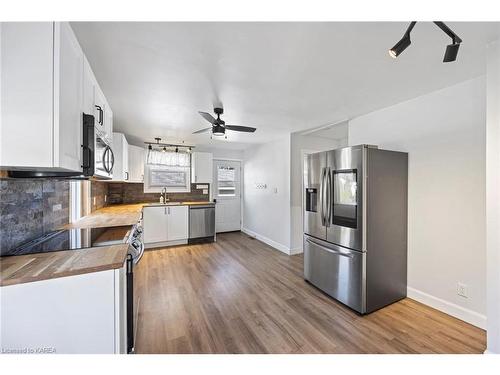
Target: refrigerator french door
345, 205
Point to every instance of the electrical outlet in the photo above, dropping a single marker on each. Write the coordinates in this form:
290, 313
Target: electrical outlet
462, 290
56, 207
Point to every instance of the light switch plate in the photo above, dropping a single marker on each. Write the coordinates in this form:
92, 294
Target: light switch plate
205, 191
56, 207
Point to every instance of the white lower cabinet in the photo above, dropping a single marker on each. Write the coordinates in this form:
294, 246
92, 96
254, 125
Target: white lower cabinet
155, 224
164, 225
178, 223
81, 314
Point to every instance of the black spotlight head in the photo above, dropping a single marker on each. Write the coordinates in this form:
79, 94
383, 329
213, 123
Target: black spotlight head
451, 52
400, 46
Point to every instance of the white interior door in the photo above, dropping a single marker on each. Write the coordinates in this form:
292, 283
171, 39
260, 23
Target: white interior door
227, 191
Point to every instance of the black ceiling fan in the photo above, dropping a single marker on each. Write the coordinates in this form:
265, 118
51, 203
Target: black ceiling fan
219, 127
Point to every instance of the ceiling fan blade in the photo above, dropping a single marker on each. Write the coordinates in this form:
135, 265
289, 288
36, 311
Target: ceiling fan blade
238, 128
207, 116
202, 131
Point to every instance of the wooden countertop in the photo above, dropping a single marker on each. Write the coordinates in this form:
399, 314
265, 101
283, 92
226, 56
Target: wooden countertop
110, 216
121, 214
43, 266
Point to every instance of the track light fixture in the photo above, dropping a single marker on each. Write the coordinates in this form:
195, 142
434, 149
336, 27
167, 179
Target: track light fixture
451, 50
164, 147
403, 43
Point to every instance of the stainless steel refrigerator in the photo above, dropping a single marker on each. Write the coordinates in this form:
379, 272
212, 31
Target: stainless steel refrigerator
355, 225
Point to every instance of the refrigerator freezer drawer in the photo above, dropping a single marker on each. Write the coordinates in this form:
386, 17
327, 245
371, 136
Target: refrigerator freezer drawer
335, 270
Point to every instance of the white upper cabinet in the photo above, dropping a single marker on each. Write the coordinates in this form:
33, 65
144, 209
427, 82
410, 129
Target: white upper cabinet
120, 150
201, 167
136, 159
46, 85
95, 103
99, 109
68, 92
89, 84
41, 75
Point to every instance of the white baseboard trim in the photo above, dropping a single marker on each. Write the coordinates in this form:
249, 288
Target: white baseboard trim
449, 308
489, 352
268, 241
155, 245
297, 250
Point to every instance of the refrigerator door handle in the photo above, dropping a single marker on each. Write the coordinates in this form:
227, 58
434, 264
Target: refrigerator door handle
322, 196
328, 197
333, 251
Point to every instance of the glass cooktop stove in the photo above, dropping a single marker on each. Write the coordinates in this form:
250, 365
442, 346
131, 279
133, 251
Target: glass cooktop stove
72, 239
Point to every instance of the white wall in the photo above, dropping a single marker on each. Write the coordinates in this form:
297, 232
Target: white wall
493, 197
300, 145
221, 153
444, 134
266, 212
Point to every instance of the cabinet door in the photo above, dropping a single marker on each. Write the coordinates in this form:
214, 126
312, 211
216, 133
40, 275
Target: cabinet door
155, 224
108, 122
136, 163
68, 85
201, 167
88, 88
178, 221
99, 109
26, 114
120, 150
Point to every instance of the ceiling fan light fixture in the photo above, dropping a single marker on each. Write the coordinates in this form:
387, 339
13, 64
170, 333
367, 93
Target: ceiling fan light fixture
218, 130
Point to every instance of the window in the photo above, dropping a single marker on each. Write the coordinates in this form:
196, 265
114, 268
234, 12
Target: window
169, 169
75, 193
225, 181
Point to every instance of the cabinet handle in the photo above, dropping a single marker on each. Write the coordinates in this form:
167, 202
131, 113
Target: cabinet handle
101, 114
126, 175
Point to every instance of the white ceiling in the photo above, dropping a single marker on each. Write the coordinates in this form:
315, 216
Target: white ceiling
278, 77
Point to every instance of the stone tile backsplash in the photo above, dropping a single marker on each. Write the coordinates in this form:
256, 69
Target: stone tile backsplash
29, 208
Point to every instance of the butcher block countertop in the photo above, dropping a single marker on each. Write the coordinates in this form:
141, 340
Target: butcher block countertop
43, 266
122, 214
110, 216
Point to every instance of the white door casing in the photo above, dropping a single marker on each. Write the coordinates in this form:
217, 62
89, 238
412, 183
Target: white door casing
227, 192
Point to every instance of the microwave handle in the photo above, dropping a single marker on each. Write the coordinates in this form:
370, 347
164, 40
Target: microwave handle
112, 160
105, 159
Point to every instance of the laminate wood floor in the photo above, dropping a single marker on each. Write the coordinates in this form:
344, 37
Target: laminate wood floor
239, 295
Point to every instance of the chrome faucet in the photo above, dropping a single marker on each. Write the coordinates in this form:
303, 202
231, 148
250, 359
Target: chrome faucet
164, 195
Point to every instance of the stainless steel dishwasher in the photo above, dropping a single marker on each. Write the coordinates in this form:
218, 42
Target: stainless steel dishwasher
201, 223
